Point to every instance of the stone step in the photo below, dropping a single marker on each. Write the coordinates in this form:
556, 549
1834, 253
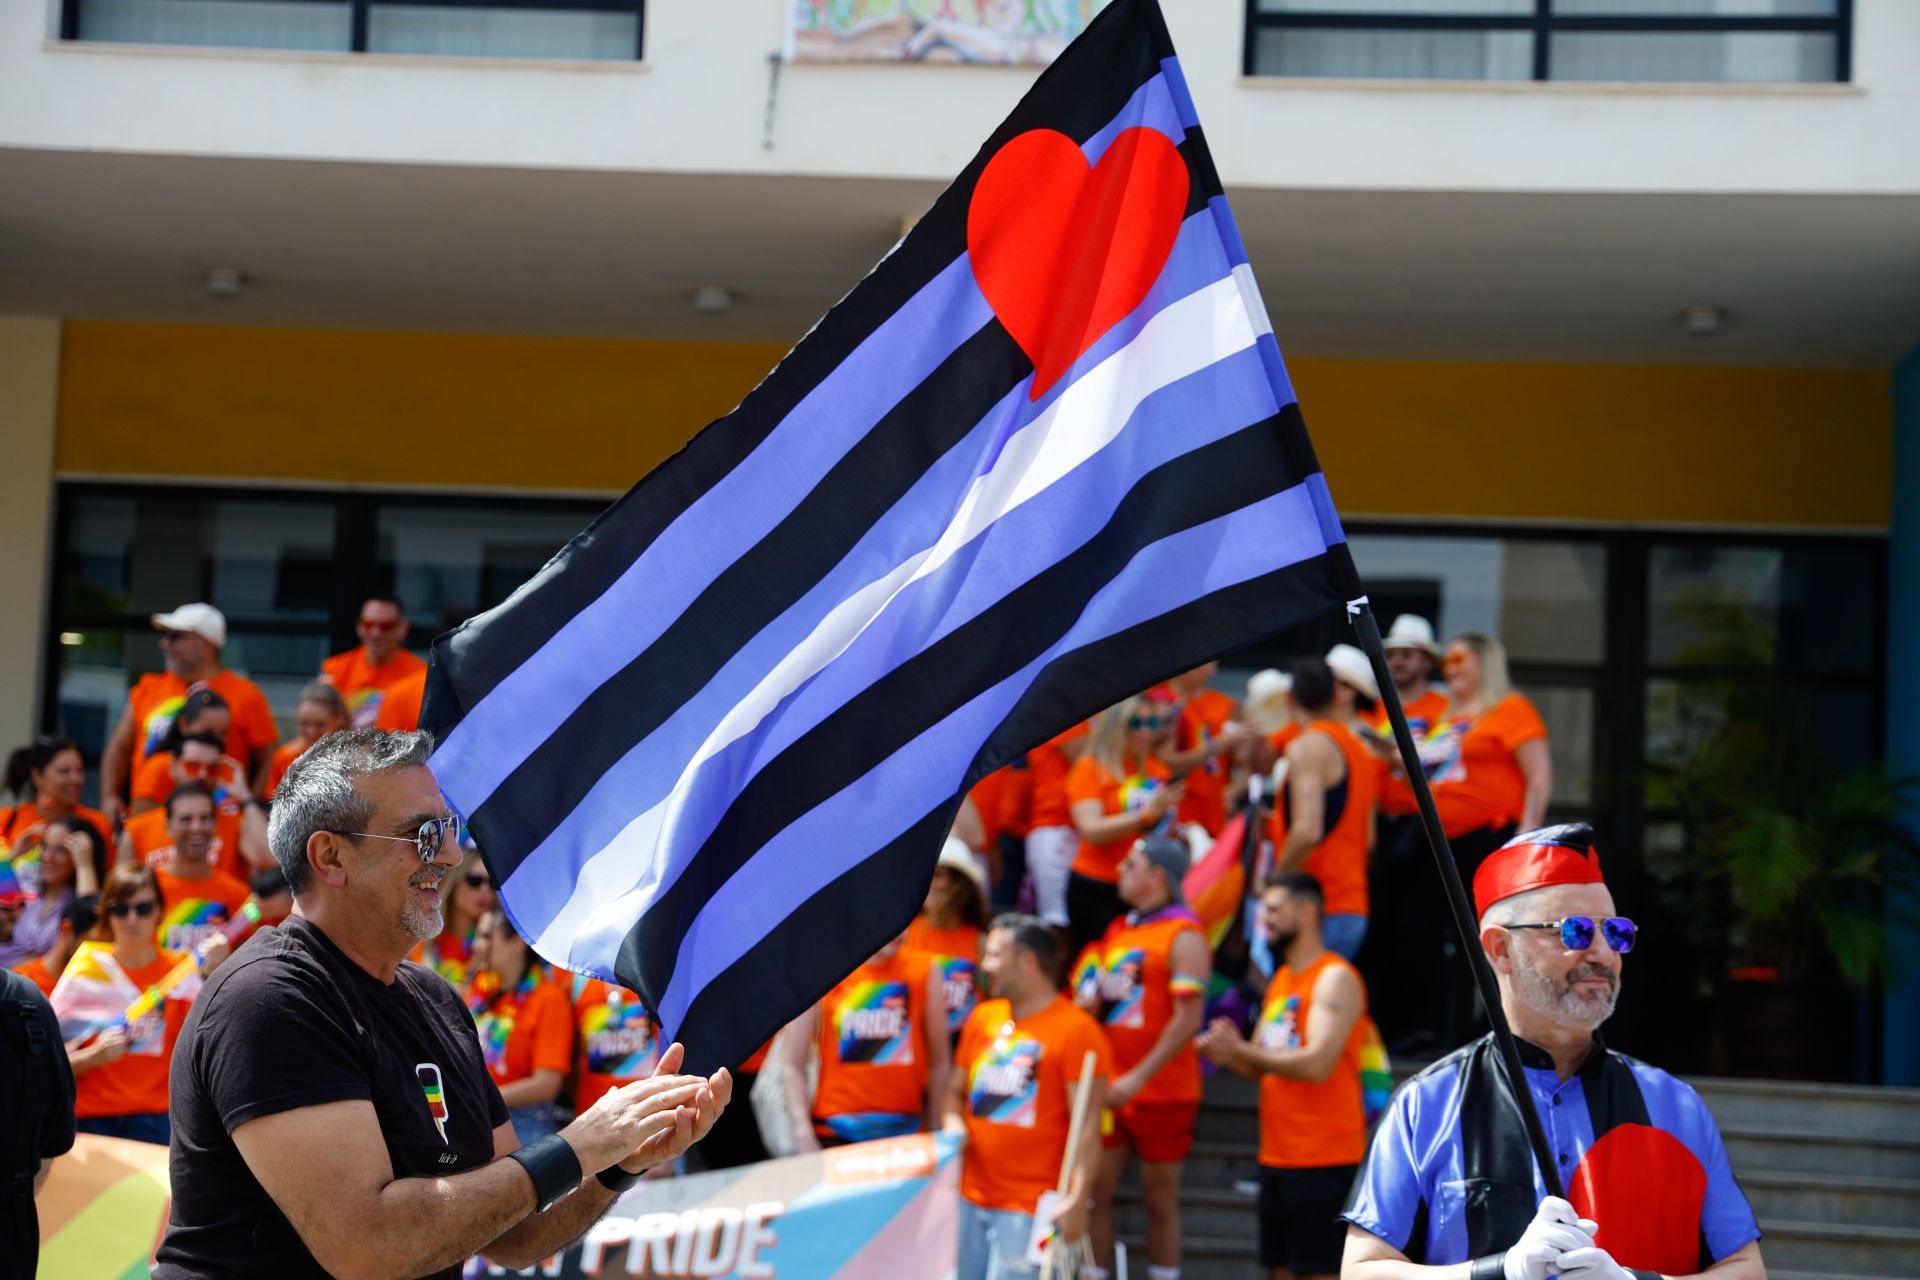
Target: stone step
1849, 1110
1827, 1197
1204, 1211
1825, 1248
1792, 1150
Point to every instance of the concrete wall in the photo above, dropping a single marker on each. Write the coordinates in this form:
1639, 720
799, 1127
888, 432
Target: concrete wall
29, 381
698, 104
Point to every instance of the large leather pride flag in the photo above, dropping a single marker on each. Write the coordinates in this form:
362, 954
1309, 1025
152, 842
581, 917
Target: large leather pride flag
1044, 455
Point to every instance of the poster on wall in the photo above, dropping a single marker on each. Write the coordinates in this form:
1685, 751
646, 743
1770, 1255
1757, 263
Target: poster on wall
1002, 32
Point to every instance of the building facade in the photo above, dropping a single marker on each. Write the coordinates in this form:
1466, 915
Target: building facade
1602, 313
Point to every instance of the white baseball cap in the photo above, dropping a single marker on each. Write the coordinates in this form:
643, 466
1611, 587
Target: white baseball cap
1350, 665
1411, 631
956, 856
1266, 706
202, 620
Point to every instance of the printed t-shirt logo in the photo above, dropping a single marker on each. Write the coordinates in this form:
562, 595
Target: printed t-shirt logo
1136, 793
1121, 992
957, 979
1280, 1023
872, 1024
428, 1073
1004, 1082
363, 707
160, 719
191, 921
1086, 977
619, 1038
1440, 753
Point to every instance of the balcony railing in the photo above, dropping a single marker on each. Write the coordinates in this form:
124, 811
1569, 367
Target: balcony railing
1674, 41
612, 30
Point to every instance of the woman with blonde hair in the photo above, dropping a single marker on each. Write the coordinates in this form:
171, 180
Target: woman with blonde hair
1488, 764
466, 895
1117, 791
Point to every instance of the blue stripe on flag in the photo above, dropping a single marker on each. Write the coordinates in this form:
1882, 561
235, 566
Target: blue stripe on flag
1186, 415
843, 830
1151, 107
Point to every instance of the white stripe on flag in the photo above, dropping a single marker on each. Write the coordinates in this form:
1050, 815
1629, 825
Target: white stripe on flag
619, 882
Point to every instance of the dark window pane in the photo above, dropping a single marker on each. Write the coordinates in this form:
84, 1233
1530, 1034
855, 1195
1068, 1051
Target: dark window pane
237, 24
1455, 8
449, 563
1569, 713
1544, 599
1699, 8
1393, 55
1806, 609
1711, 57
487, 32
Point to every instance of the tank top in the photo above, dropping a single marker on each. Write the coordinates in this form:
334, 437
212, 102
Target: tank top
1339, 861
1302, 1125
1136, 988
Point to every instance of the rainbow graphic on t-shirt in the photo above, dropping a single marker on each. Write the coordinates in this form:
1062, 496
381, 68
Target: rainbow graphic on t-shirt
191, 921
428, 1073
1279, 1026
20, 875
1376, 1074
959, 979
874, 1024
159, 720
619, 1038
1004, 1082
1085, 983
1136, 793
363, 707
1121, 991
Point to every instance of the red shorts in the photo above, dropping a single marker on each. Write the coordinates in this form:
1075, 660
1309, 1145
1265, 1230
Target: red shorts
1157, 1131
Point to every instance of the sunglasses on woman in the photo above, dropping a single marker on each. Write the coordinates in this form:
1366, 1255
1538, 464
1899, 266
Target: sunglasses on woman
1139, 724
1576, 932
426, 840
121, 910
479, 880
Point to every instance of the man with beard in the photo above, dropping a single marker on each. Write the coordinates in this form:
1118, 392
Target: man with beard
332, 1112
1450, 1178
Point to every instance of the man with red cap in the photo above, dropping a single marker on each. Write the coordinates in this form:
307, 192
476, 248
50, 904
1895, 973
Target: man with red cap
1450, 1177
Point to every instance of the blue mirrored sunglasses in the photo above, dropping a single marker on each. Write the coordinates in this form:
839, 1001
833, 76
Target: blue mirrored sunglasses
1576, 932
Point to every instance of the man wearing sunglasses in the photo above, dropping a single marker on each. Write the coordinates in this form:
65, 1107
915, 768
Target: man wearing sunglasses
364, 676
1450, 1177
332, 1112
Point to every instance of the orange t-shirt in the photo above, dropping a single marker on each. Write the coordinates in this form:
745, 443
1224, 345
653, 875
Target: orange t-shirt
525, 1030
618, 1042
365, 686
197, 909
1476, 782
153, 843
36, 972
1009, 790
871, 1033
1047, 770
1090, 780
400, 708
157, 698
757, 1060
1205, 716
23, 822
1424, 714
290, 750
135, 1084
1137, 988
1339, 861
1021, 1074
1302, 1125
955, 953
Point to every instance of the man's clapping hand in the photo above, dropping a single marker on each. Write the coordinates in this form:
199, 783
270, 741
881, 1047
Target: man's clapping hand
649, 1121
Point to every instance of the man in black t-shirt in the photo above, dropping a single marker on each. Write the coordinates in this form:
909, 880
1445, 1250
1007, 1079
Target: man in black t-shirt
331, 1110
36, 1116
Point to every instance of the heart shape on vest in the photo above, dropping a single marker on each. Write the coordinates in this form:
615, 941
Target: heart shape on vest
1064, 250
1646, 1190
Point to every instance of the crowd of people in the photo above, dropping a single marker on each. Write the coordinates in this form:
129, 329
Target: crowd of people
1056, 950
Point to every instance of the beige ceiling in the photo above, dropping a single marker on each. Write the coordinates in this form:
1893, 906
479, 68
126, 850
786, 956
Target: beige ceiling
1807, 280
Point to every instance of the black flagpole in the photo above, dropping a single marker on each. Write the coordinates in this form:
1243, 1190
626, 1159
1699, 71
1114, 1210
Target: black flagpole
1464, 921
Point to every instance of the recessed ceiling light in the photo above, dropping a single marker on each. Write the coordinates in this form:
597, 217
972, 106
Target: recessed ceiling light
1703, 319
225, 282
713, 299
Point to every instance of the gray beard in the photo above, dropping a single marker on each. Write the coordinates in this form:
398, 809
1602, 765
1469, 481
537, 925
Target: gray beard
423, 923
1558, 1002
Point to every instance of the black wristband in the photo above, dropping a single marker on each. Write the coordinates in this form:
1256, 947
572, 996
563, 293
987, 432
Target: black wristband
1638, 1274
553, 1166
1491, 1267
618, 1180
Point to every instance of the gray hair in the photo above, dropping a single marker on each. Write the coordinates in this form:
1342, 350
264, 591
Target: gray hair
1521, 908
318, 791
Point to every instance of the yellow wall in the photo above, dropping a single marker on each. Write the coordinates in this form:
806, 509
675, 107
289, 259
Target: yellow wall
1655, 444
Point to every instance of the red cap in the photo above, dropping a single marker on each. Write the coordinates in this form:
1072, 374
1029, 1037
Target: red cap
1537, 860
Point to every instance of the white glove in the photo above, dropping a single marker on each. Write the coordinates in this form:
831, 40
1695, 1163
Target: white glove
1555, 1229
1591, 1263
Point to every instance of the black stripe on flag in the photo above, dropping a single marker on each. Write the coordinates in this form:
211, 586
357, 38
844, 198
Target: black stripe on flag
1078, 106
835, 928
1205, 484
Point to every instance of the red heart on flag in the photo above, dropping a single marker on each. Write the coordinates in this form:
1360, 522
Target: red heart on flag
1064, 250
1645, 1189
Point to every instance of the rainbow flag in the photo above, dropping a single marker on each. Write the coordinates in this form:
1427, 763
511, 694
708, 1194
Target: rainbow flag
1217, 884
1376, 1075
10, 885
103, 1209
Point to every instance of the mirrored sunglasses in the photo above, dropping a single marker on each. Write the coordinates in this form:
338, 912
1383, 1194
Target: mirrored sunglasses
1576, 932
